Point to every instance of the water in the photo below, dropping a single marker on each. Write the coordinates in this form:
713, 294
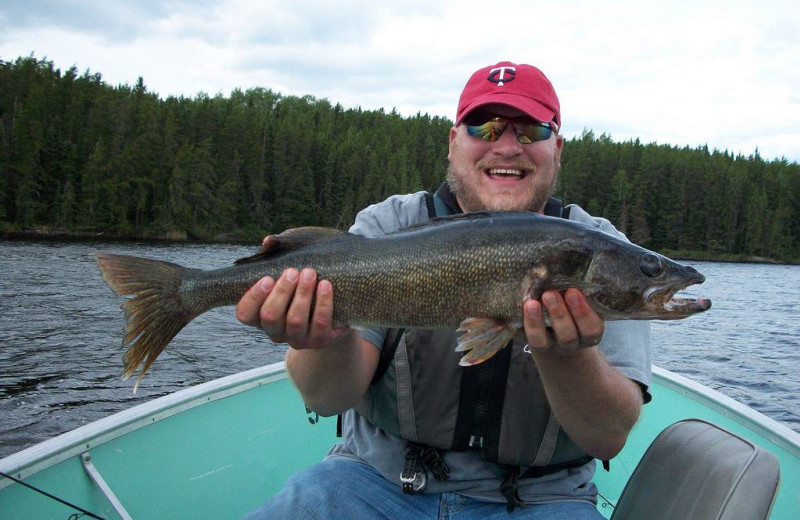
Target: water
61, 332
61, 356
748, 345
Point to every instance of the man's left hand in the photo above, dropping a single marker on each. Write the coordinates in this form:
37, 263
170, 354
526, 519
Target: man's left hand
574, 325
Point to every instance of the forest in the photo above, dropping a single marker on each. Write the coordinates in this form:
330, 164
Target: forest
86, 158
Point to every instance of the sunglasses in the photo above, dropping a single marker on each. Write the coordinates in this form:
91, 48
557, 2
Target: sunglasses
490, 127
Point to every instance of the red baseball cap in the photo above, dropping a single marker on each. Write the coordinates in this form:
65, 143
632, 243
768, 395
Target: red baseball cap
523, 87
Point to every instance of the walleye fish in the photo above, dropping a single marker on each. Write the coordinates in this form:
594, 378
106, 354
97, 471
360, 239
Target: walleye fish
473, 270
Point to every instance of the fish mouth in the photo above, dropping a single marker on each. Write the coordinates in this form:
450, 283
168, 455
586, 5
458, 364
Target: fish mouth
664, 303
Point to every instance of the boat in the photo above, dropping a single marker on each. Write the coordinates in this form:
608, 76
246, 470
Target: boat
219, 449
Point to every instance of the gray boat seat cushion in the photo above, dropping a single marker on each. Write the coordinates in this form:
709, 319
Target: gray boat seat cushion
695, 470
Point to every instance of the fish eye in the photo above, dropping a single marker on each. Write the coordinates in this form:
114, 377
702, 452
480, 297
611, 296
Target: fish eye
651, 264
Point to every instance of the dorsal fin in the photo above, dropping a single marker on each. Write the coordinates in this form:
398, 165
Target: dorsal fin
289, 240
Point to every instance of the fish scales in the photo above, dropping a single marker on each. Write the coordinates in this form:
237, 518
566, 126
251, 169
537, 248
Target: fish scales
475, 268
429, 278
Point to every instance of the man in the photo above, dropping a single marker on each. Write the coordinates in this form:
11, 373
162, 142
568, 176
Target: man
512, 437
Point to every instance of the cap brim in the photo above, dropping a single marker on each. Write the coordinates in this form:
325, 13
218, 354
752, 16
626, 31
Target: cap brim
530, 107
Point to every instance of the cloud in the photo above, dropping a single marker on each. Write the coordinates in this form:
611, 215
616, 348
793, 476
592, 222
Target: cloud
681, 72
108, 20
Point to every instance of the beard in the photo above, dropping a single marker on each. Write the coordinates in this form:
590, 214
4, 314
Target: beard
470, 200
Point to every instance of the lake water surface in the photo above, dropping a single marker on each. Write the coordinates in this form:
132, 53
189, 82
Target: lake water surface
61, 354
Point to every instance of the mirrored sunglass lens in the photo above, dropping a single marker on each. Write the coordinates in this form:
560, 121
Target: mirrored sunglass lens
529, 133
488, 131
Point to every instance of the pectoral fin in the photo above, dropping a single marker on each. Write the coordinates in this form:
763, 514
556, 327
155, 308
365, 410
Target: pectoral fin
482, 338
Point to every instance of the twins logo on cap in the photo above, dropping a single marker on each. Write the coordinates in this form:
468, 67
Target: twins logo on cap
498, 75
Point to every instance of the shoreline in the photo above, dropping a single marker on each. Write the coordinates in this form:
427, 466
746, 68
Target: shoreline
56, 234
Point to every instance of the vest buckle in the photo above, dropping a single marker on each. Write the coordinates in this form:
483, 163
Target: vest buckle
413, 477
420, 459
508, 488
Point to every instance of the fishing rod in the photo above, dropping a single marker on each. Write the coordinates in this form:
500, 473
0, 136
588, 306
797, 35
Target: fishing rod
53, 497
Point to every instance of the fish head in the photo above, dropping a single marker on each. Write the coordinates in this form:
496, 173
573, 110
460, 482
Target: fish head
634, 283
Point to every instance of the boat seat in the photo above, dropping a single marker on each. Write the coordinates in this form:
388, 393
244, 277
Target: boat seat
695, 470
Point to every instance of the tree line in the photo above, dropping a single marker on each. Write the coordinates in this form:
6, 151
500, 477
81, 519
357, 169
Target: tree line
80, 155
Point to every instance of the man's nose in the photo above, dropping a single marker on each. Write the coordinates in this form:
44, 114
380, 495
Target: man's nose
507, 145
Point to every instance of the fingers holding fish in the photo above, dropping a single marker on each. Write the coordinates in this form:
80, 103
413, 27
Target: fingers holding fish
322, 329
299, 308
320, 322
299, 311
535, 326
273, 312
565, 331
591, 326
573, 324
249, 307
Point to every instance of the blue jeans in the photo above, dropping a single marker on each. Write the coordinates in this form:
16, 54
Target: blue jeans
339, 488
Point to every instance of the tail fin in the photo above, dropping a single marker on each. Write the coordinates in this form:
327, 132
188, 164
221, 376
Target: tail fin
155, 314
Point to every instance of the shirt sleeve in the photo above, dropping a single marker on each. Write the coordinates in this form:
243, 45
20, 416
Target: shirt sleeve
626, 345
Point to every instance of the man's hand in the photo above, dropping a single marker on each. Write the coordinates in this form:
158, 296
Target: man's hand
283, 309
574, 325
331, 366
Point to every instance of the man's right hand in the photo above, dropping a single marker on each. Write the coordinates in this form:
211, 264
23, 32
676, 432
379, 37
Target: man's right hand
331, 366
283, 309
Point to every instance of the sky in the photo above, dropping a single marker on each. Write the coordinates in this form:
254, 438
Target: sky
725, 74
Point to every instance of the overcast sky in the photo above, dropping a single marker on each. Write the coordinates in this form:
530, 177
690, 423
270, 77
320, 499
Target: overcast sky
694, 72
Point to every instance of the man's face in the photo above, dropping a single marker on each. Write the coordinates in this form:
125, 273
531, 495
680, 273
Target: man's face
505, 174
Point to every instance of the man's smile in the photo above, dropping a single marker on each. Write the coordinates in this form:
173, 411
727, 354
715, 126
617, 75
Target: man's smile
506, 173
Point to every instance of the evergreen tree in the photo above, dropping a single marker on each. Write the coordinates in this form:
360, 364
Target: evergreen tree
78, 154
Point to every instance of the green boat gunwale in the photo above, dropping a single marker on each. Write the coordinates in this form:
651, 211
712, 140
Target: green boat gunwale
72, 443
777, 433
